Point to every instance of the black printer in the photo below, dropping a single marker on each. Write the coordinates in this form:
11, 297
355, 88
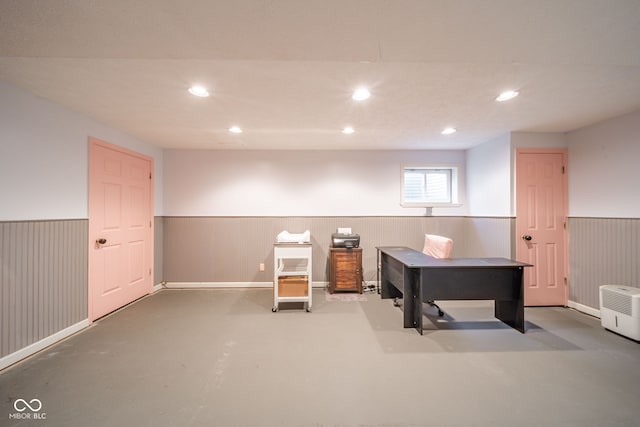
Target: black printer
342, 240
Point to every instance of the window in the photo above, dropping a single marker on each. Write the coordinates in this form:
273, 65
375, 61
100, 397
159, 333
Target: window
424, 186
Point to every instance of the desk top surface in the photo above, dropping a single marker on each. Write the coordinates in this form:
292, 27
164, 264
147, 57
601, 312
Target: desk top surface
413, 258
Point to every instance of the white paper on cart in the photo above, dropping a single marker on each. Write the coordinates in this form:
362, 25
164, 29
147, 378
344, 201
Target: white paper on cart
286, 237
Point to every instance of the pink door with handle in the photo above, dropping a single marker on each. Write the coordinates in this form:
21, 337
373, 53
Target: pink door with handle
541, 201
120, 227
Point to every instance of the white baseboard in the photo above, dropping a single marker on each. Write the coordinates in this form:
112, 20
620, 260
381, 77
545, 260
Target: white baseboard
157, 287
584, 308
27, 351
213, 285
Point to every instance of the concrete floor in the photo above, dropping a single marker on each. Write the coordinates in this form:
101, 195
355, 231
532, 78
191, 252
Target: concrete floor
222, 358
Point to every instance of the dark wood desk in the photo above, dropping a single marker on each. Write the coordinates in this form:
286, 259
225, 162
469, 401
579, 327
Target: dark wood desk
417, 278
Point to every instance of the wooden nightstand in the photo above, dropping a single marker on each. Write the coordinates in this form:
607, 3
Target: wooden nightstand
346, 270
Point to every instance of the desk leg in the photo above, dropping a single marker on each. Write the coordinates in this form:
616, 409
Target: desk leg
383, 279
378, 267
412, 299
390, 281
511, 312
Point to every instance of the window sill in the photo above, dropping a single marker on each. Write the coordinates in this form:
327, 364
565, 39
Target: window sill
431, 205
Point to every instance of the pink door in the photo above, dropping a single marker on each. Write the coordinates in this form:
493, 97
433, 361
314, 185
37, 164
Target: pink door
120, 227
541, 201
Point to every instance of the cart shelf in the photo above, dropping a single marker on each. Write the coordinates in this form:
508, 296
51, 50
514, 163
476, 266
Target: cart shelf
292, 274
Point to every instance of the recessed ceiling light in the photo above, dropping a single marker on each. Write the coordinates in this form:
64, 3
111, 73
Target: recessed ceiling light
361, 94
449, 131
348, 130
199, 91
235, 129
505, 96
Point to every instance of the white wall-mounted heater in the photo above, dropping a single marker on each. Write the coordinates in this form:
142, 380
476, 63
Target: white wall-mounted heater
620, 310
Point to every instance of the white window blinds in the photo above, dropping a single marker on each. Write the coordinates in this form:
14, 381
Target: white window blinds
428, 185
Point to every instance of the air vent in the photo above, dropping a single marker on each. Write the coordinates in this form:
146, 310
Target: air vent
620, 302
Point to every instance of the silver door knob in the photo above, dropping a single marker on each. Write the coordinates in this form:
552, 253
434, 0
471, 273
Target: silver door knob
526, 237
101, 241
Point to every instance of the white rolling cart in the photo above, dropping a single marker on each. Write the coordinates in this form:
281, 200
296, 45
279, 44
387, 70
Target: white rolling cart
292, 274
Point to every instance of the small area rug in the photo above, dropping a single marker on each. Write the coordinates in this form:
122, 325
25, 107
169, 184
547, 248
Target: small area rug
344, 296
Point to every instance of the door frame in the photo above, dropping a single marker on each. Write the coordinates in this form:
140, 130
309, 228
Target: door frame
565, 184
93, 141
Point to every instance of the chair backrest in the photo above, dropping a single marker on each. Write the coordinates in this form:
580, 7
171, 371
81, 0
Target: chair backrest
437, 246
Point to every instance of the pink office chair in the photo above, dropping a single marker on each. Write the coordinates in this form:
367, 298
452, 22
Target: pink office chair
437, 247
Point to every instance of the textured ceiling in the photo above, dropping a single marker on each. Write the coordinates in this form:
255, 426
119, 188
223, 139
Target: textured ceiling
284, 70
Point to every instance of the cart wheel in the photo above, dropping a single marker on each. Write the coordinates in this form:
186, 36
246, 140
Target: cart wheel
440, 313
274, 309
308, 309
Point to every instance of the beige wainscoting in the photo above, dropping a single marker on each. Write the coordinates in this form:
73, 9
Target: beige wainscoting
602, 251
43, 280
231, 249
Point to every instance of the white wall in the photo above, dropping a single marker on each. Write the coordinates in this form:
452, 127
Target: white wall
489, 178
44, 158
293, 183
538, 140
491, 170
604, 169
